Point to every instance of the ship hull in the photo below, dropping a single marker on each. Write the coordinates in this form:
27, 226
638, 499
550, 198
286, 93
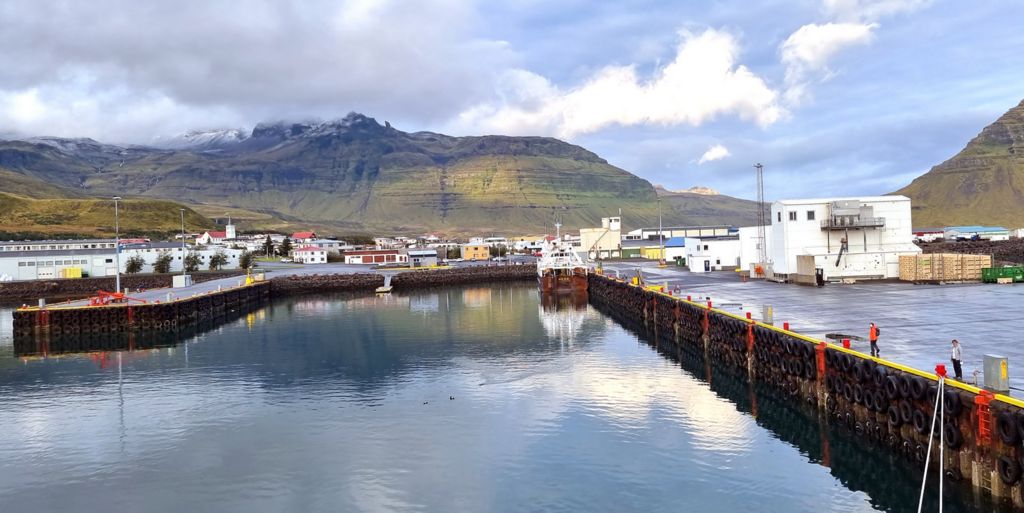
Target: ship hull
551, 281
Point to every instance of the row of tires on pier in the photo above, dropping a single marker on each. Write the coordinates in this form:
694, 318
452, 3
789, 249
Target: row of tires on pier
878, 402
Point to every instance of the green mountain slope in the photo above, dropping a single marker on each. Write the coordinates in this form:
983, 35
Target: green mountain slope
26, 216
357, 175
708, 208
983, 184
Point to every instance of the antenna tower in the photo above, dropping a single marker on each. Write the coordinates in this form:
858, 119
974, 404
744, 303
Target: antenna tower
761, 246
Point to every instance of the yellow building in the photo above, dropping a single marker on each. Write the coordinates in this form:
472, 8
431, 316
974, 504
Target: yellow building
475, 252
603, 242
652, 252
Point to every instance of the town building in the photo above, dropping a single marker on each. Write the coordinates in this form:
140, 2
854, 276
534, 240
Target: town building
475, 252
149, 252
815, 240
700, 232
603, 242
928, 234
675, 250
712, 254
976, 233
303, 238
422, 257
212, 237
310, 255
56, 245
376, 256
750, 248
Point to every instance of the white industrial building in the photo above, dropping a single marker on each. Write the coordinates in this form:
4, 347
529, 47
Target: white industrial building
310, 255
603, 242
48, 264
750, 247
976, 233
668, 232
837, 238
715, 254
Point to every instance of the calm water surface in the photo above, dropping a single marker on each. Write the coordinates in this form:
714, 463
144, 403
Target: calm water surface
475, 399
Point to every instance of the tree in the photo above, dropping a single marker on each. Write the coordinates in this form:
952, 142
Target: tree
163, 262
134, 264
285, 248
246, 260
192, 262
452, 253
217, 261
268, 247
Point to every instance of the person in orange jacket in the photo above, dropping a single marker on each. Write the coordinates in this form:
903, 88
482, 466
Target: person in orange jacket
873, 332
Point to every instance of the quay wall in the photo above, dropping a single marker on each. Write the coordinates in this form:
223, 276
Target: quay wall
76, 288
882, 402
324, 283
168, 316
463, 276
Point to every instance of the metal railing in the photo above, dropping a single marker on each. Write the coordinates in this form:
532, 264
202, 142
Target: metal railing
840, 223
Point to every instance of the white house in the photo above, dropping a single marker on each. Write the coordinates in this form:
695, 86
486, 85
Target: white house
840, 237
716, 254
310, 255
149, 252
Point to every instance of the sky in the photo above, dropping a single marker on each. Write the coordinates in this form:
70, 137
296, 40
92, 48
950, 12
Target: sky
834, 97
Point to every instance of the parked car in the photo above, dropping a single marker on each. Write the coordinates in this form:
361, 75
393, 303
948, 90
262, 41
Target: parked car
286, 260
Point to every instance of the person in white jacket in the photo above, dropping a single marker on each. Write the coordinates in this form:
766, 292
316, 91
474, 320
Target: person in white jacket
955, 356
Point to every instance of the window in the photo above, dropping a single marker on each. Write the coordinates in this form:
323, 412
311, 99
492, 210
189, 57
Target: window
21, 264
718, 261
810, 215
780, 217
49, 262
705, 247
31, 264
110, 260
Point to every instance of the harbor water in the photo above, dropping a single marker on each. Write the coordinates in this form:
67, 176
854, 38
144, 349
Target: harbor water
465, 399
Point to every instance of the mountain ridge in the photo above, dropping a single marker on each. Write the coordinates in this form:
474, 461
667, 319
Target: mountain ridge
981, 184
354, 174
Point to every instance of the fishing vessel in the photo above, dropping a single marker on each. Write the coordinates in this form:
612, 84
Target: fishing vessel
560, 268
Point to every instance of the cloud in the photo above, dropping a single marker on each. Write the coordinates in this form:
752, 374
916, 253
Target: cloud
702, 82
870, 10
806, 52
82, 61
716, 152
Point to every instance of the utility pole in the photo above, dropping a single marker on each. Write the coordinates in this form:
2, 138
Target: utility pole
183, 242
661, 237
117, 247
761, 242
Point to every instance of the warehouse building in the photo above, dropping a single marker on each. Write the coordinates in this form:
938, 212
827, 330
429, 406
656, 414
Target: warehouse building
816, 240
376, 256
56, 263
976, 233
603, 242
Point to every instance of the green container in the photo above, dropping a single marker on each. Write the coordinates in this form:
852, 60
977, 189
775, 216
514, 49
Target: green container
992, 274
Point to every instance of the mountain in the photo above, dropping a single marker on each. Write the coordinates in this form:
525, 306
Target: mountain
355, 174
26, 217
703, 206
983, 184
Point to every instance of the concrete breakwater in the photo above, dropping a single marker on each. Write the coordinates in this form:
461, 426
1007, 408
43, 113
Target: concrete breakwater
884, 403
168, 316
56, 320
30, 291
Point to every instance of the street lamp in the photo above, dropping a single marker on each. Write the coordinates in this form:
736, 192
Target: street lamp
661, 237
183, 242
117, 247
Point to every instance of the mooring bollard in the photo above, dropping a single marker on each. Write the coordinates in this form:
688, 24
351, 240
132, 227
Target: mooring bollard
785, 326
846, 343
748, 316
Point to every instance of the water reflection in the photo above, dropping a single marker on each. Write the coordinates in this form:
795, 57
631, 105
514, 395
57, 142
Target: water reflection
449, 400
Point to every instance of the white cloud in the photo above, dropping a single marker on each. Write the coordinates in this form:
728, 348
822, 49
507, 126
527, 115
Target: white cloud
702, 82
870, 10
716, 152
807, 51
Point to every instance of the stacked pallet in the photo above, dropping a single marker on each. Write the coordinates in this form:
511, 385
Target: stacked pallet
943, 267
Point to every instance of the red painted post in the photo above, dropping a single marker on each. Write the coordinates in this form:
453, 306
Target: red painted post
821, 360
709, 304
940, 370
785, 326
748, 316
689, 298
846, 343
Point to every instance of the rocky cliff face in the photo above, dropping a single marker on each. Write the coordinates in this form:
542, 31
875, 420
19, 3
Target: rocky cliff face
983, 184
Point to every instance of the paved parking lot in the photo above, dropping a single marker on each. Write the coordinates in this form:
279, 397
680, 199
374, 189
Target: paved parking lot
917, 321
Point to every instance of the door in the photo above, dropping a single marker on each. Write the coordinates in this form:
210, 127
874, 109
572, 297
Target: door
707, 265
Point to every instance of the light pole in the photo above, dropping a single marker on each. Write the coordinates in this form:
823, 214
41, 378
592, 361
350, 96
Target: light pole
182, 242
661, 237
117, 247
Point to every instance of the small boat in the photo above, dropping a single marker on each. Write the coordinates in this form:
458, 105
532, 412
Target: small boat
560, 269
